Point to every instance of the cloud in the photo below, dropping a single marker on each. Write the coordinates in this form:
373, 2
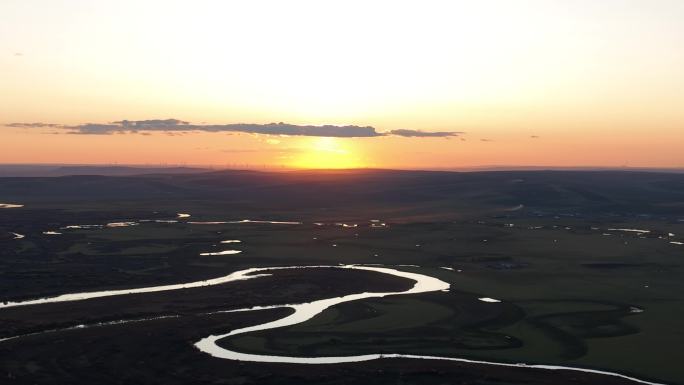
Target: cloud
424, 134
156, 124
175, 126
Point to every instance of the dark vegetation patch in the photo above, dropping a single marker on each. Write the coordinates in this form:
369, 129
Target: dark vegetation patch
615, 265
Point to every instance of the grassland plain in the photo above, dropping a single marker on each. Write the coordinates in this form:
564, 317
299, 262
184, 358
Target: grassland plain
578, 288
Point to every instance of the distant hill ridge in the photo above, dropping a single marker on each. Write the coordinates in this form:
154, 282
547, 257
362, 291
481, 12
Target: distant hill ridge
637, 192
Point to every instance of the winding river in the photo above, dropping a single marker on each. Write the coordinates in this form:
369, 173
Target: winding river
10, 206
302, 313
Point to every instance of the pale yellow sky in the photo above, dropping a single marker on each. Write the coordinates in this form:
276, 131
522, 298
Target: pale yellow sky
599, 82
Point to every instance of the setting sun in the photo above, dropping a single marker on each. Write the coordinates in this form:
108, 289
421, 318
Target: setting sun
326, 153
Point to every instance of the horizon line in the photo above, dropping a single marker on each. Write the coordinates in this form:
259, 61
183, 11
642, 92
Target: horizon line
275, 167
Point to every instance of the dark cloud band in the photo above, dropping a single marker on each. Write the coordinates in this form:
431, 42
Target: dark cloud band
175, 125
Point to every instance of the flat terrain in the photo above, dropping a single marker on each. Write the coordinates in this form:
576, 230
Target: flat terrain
587, 266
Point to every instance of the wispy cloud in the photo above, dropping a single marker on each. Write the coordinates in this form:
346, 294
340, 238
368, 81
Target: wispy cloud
288, 150
34, 125
424, 134
179, 126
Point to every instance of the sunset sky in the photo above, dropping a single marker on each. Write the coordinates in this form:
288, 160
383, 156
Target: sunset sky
403, 84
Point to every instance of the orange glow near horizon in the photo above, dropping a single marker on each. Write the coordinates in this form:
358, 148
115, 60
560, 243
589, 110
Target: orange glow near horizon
245, 150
